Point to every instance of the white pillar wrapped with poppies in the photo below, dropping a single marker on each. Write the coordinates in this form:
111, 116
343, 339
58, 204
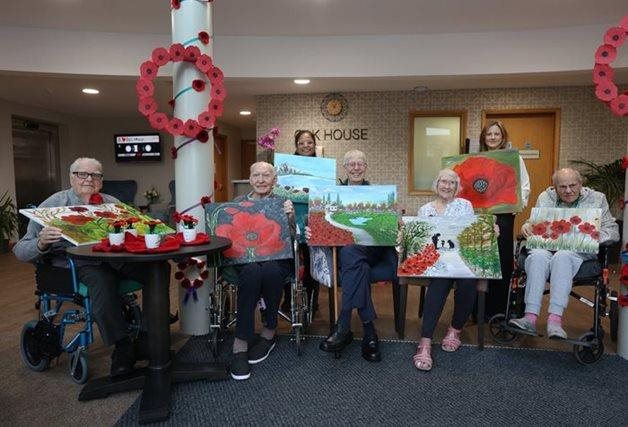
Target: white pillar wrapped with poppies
622, 333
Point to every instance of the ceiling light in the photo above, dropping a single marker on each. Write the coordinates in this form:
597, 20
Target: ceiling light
91, 91
245, 113
420, 89
302, 81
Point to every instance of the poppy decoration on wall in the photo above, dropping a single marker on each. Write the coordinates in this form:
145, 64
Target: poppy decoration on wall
259, 230
605, 89
489, 180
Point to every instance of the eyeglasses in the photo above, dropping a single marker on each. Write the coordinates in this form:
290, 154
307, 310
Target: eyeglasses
352, 165
84, 175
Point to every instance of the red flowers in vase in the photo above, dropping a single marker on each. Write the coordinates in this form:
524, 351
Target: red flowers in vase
188, 221
118, 225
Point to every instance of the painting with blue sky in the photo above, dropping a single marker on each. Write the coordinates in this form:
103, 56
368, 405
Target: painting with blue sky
298, 175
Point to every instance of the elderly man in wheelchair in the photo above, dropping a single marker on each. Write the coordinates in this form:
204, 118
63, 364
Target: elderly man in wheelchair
559, 267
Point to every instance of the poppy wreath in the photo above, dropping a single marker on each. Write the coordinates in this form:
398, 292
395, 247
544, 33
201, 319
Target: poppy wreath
189, 285
145, 88
605, 88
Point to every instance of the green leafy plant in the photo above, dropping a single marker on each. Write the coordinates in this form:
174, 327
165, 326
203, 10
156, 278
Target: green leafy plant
8, 219
606, 178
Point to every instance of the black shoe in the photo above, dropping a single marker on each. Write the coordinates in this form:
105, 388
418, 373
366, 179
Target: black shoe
261, 349
336, 342
240, 369
370, 349
122, 358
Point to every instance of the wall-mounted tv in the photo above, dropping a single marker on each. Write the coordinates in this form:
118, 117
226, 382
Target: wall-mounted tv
138, 147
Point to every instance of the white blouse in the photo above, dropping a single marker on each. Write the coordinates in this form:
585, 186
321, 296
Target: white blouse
457, 207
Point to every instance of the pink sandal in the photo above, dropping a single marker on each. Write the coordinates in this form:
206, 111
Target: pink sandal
451, 342
423, 358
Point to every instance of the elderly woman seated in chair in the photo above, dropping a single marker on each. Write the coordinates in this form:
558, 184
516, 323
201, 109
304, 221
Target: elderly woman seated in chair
561, 266
265, 279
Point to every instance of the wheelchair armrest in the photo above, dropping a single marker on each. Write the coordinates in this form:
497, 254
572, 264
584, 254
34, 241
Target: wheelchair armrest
602, 254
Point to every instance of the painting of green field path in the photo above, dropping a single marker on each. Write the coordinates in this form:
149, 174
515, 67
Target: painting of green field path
341, 215
298, 175
571, 229
87, 224
449, 247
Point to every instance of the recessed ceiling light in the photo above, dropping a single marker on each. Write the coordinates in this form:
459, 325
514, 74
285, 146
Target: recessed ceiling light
245, 113
302, 81
91, 91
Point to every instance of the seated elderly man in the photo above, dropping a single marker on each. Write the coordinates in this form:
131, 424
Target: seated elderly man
265, 279
41, 243
560, 266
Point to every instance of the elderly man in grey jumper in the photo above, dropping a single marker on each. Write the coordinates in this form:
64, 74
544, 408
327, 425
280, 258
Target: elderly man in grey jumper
560, 266
45, 243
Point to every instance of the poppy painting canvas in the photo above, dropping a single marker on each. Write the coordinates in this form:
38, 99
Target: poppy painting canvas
572, 229
88, 224
258, 229
342, 215
449, 247
489, 180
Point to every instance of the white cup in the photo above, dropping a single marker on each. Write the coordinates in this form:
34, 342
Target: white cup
116, 239
152, 240
189, 234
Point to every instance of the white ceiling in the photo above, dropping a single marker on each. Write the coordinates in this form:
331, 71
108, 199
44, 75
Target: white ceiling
289, 18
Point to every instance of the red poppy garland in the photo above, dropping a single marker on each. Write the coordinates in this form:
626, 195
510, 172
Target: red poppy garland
605, 89
184, 271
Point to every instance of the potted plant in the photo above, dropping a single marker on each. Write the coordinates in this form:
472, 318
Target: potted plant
8, 221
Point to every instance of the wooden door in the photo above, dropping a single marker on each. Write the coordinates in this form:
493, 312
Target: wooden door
221, 184
248, 157
532, 130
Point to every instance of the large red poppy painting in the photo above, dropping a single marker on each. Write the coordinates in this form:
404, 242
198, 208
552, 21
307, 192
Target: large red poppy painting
571, 229
258, 230
489, 180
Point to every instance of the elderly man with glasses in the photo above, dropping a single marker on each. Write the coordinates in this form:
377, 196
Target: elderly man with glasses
45, 243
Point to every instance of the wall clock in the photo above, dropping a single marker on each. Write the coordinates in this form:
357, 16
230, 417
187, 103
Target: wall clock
334, 107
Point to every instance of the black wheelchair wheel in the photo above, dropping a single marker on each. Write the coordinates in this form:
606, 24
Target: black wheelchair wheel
613, 315
497, 327
30, 349
79, 369
588, 355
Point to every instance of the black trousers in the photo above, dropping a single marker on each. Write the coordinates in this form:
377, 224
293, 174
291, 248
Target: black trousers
435, 297
497, 294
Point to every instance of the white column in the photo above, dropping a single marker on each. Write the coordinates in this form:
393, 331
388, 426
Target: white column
194, 166
622, 333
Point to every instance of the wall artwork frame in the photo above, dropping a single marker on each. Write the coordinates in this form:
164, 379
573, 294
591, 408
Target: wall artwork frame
571, 229
490, 180
89, 224
461, 247
433, 135
342, 215
258, 229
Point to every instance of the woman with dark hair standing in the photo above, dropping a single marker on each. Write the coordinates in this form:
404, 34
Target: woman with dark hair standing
495, 137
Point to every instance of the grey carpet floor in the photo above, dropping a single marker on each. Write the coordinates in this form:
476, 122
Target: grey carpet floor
497, 386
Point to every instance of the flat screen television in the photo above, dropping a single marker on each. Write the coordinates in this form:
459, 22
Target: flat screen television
138, 147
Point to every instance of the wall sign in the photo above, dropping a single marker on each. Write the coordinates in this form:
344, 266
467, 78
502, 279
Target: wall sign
349, 134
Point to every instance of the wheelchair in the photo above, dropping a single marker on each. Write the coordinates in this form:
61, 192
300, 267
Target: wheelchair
589, 347
44, 339
223, 312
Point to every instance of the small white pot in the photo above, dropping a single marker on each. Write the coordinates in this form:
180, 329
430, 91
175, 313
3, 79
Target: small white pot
116, 239
152, 240
189, 234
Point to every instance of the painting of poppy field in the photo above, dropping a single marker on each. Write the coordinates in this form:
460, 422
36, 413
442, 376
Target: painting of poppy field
259, 230
88, 224
342, 215
490, 180
572, 229
449, 247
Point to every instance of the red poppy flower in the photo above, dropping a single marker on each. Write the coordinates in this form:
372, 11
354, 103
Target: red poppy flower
182, 265
175, 126
203, 37
147, 105
561, 226
191, 53
251, 234
200, 265
538, 229
619, 105
191, 128
595, 235
615, 36
149, 70
587, 228
198, 283
175, 4
191, 261
204, 63
205, 200
158, 120
486, 182
219, 92
554, 236
575, 220
177, 52
606, 90
160, 56
77, 219
602, 72
198, 85
172, 103
215, 76
215, 107
95, 199
605, 54
105, 214
624, 162
78, 209
202, 136
179, 275
173, 152
204, 274
206, 119
186, 283
144, 87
